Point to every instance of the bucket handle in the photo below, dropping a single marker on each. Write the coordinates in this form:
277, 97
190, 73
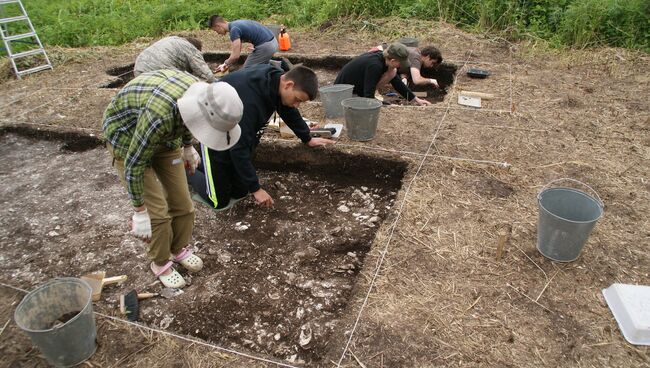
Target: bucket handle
598, 200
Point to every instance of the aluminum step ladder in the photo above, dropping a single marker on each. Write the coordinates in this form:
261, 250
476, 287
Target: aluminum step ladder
26, 35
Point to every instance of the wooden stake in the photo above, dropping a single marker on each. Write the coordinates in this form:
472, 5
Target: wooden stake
504, 234
500, 243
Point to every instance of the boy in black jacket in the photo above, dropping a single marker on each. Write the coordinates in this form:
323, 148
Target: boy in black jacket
228, 176
372, 69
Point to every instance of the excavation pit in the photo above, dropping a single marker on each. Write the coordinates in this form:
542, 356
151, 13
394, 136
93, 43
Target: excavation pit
326, 67
121, 76
276, 281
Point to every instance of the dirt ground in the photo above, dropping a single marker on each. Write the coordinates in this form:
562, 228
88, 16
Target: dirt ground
430, 291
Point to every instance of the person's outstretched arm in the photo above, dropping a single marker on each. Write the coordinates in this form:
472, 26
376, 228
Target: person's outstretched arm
198, 66
234, 56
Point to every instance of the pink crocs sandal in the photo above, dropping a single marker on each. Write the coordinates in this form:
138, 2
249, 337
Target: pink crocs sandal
172, 280
188, 260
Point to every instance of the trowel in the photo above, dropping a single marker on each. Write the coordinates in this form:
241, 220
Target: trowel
97, 281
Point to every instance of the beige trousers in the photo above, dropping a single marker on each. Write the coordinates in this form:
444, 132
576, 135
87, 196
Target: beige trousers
168, 202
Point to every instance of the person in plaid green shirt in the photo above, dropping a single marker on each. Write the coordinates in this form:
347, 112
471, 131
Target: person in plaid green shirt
149, 127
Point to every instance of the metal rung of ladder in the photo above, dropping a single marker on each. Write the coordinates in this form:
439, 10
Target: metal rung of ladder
13, 19
35, 69
21, 36
27, 53
7, 39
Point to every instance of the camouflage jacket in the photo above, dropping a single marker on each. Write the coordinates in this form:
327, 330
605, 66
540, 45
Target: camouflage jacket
173, 53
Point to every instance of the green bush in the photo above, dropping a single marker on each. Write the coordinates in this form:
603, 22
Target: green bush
613, 22
578, 23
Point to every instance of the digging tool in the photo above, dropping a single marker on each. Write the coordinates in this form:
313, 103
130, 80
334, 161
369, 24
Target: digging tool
169, 293
482, 95
322, 132
130, 304
97, 281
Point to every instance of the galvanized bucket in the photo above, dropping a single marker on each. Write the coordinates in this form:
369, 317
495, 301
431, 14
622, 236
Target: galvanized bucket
361, 117
566, 218
58, 317
331, 96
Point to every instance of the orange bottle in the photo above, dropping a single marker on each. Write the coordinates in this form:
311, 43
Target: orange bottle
285, 42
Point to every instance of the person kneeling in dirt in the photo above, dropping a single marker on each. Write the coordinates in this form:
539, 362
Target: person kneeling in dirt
228, 176
180, 53
145, 126
376, 68
264, 42
428, 57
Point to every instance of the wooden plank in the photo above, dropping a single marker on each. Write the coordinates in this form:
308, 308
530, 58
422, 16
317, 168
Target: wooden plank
482, 95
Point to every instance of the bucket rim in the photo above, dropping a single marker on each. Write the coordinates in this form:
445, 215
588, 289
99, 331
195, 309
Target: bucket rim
335, 88
598, 200
55, 281
371, 101
600, 208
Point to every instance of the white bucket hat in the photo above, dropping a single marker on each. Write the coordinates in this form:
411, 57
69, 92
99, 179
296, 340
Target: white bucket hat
211, 112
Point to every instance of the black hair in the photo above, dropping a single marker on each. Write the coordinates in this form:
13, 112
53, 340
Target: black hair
304, 79
432, 52
215, 19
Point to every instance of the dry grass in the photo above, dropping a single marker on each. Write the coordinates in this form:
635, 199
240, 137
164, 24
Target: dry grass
442, 297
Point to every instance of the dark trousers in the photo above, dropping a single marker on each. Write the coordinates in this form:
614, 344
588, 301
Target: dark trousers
218, 184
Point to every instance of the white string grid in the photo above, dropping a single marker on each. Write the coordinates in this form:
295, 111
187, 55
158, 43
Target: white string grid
185, 338
383, 253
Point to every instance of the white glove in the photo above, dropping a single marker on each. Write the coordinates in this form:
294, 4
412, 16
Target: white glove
141, 226
434, 83
191, 158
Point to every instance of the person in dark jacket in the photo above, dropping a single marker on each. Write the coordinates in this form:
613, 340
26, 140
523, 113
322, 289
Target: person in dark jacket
228, 176
372, 69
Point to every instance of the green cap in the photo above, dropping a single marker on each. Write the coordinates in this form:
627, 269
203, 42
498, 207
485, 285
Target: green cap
398, 51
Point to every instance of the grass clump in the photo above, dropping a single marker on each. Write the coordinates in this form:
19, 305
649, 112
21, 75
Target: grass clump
575, 23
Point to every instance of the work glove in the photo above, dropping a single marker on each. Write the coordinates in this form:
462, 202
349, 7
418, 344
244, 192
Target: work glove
434, 83
191, 158
141, 225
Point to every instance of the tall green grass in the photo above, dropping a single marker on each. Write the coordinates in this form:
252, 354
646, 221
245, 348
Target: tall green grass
576, 23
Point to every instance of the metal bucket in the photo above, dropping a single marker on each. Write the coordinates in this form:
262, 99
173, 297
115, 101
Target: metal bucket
361, 117
58, 318
331, 96
409, 41
566, 218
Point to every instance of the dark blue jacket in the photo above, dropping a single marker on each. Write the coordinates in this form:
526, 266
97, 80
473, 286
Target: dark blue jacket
258, 87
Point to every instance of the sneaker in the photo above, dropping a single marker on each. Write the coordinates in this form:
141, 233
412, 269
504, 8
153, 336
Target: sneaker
200, 199
233, 201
